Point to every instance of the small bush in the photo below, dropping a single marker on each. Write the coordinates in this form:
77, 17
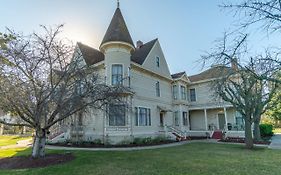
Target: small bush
147, 140
266, 130
138, 141
97, 142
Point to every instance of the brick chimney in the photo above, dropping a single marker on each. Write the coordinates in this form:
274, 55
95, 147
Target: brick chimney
139, 44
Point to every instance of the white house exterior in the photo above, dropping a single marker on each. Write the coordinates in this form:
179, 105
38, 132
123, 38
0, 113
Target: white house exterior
160, 101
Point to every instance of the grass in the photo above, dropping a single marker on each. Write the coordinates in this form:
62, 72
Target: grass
191, 159
6, 140
277, 130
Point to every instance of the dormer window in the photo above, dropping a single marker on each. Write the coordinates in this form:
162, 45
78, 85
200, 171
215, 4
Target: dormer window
157, 61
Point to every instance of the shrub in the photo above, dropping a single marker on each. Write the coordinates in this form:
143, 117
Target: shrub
97, 142
138, 141
266, 130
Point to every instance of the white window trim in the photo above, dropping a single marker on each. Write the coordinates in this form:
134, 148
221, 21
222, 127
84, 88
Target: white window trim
195, 95
123, 72
138, 109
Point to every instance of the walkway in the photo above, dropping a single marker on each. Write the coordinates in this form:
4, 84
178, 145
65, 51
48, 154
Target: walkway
130, 148
275, 141
20, 144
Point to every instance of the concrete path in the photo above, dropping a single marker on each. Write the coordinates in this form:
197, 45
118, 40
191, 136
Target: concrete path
131, 148
275, 141
20, 144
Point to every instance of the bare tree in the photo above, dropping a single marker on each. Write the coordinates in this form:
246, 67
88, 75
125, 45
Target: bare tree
42, 83
266, 13
249, 85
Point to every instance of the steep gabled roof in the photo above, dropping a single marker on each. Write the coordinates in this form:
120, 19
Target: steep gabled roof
90, 55
214, 72
117, 30
141, 53
177, 75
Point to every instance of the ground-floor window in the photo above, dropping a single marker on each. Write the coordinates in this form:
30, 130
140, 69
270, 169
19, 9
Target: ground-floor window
176, 118
143, 116
117, 115
184, 118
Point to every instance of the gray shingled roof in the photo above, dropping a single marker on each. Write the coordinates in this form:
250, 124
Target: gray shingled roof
117, 30
213, 72
141, 53
90, 55
177, 75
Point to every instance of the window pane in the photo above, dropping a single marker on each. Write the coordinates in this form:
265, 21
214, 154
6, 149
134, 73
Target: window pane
143, 117
175, 92
117, 74
157, 89
192, 95
117, 115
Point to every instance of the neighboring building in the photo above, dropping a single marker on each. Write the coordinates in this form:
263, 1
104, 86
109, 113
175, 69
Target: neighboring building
161, 102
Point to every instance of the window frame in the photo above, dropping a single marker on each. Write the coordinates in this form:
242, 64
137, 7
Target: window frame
175, 92
115, 117
117, 77
157, 89
140, 119
192, 95
183, 92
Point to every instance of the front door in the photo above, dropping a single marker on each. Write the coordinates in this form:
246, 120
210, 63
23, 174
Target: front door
221, 118
161, 119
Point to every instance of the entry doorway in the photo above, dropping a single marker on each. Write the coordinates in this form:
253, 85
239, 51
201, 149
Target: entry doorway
221, 118
161, 119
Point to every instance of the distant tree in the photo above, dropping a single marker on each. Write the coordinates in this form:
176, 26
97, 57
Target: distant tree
42, 83
275, 111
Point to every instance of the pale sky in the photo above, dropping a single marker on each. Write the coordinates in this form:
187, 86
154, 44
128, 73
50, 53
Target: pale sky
185, 28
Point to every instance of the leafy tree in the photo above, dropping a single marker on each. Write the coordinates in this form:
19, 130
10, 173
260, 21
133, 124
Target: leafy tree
43, 82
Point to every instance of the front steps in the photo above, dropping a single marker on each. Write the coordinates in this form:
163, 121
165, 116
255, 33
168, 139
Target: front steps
217, 134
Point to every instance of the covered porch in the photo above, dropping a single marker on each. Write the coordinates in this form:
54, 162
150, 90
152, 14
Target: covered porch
204, 121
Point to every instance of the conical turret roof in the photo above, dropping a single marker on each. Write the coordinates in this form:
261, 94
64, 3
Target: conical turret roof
117, 30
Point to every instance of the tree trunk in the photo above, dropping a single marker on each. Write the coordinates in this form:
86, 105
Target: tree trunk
1, 129
257, 133
38, 149
248, 134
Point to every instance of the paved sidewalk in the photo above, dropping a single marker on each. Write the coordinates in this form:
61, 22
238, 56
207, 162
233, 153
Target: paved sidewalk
275, 141
20, 144
131, 148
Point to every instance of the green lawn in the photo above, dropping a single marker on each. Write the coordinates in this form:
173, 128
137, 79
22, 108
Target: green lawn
10, 140
277, 130
191, 159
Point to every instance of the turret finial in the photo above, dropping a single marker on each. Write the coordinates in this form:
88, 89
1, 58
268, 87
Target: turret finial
118, 3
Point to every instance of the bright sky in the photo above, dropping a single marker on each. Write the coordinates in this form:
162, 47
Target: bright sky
185, 28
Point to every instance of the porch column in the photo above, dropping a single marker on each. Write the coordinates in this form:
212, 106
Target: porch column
188, 120
206, 119
225, 116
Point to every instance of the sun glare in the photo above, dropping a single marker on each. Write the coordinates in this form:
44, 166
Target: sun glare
84, 35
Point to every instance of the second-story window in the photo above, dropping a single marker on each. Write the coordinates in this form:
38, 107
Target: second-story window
157, 86
183, 93
157, 61
192, 94
175, 92
117, 74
